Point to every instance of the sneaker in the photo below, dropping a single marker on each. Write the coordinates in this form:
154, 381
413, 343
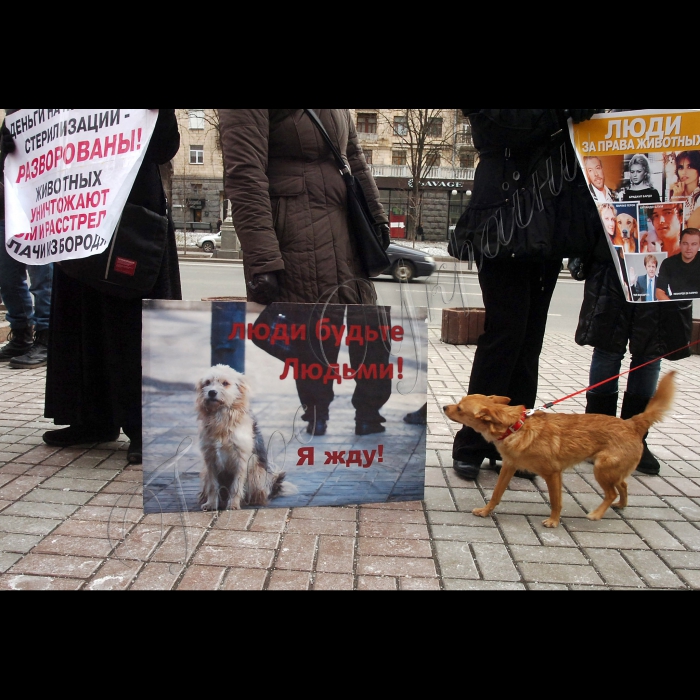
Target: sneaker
367, 428
20, 340
419, 417
316, 427
36, 355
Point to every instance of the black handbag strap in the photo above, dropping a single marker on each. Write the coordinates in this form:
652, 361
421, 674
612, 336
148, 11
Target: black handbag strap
344, 168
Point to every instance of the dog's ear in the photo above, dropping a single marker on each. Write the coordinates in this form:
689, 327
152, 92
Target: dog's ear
500, 399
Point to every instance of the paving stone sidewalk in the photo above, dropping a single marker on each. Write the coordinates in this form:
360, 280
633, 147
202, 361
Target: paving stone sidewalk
73, 518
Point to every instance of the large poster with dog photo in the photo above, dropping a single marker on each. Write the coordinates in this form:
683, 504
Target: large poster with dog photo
282, 406
643, 171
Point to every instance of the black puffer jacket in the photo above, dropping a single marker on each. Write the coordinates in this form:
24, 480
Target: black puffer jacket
530, 197
608, 321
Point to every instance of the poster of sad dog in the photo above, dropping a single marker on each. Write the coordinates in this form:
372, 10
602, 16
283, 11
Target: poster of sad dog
281, 406
643, 172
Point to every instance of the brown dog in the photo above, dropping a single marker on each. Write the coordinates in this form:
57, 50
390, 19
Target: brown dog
549, 443
626, 233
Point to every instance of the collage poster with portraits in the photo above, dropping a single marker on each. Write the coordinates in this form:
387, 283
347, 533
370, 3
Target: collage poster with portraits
283, 406
643, 171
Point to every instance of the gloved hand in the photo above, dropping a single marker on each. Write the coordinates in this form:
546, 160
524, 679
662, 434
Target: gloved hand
581, 115
577, 269
384, 235
264, 288
7, 143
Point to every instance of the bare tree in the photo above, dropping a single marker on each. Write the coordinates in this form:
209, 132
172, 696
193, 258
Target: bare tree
427, 137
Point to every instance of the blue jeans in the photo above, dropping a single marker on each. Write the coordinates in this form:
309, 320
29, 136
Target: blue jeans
641, 382
15, 292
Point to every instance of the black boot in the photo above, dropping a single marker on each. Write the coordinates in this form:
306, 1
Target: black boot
36, 355
20, 341
606, 404
632, 405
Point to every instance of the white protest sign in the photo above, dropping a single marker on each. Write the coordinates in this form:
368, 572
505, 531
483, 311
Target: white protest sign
69, 177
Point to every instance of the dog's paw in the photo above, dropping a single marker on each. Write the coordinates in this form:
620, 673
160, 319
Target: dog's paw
594, 516
617, 504
550, 522
481, 512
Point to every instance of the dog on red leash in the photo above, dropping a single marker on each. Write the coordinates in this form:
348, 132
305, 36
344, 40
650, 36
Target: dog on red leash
549, 443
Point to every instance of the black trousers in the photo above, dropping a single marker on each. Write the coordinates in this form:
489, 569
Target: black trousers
516, 296
370, 393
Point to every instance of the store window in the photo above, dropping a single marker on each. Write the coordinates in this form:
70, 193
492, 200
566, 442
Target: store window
366, 123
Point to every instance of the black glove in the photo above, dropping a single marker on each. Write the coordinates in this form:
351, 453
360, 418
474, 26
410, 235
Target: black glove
577, 269
264, 288
7, 143
581, 115
384, 236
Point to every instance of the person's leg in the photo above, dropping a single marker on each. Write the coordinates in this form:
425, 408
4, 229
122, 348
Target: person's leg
505, 286
370, 394
18, 302
40, 280
316, 396
641, 384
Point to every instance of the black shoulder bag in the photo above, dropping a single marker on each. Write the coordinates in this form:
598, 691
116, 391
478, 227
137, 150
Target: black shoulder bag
362, 226
129, 266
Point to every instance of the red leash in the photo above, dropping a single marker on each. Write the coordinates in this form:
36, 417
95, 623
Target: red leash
605, 381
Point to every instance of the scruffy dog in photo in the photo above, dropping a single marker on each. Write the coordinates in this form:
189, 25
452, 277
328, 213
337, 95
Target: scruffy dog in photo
236, 468
549, 443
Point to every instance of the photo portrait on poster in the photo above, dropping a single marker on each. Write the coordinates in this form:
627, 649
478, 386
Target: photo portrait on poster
232, 392
643, 171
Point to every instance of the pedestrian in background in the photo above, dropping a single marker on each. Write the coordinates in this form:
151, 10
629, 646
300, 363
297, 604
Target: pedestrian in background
289, 207
28, 340
518, 232
612, 325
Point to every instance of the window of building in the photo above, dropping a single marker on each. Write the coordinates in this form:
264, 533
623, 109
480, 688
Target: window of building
366, 123
196, 155
398, 158
432, 159
196, 119
435, 127
400, 126
368, 156
466, 159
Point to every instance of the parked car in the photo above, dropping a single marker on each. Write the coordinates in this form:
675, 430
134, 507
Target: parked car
208, 243
408, 263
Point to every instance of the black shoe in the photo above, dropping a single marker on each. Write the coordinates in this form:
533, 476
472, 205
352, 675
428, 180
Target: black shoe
78, 435
36, 355
134, 453
648, 464
520, 473
316, 427
468, 468
418, 417
367, 428
20, 340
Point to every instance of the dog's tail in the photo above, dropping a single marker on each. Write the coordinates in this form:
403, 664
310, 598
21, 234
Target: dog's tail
658, 405
280, 487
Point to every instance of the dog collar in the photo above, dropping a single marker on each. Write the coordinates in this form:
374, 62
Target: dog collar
516, 426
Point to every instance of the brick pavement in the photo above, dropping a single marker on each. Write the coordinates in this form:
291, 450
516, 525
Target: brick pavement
73, 518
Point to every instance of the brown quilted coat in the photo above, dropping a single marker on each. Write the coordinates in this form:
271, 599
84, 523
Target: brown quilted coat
288, 201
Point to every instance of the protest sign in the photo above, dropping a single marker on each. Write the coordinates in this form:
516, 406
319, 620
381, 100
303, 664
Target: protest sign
234, 393
69, 177
643, 170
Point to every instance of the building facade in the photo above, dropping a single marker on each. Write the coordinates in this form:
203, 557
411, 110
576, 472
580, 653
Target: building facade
197, 194
388, 139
